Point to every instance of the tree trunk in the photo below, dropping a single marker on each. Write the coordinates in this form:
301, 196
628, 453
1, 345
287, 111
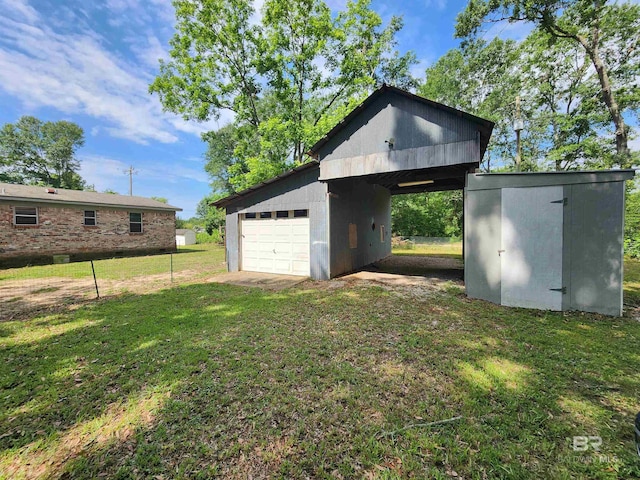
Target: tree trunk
622, 148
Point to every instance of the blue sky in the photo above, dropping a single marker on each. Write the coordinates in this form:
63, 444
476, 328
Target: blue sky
91, 63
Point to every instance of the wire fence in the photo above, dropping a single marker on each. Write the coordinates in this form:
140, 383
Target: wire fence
28, 289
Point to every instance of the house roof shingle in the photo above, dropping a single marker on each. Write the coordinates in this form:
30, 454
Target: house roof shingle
31, 194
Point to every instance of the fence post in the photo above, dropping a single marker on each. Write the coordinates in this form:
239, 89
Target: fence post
171, 265
95, 282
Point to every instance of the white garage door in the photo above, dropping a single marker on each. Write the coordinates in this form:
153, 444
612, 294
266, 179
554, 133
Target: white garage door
273, 243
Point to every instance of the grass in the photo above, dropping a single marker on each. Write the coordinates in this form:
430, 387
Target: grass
207, 258
216, 380
453, 250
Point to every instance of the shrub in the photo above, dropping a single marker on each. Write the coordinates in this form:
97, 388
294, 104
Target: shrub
204, 237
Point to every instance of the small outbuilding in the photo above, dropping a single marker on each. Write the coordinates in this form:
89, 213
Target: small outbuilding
332, 216
551, 240
185, 236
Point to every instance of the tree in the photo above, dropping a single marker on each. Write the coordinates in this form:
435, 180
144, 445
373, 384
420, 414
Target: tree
287, 79
160, 199
41, 153
212, 217
564, 115
482, 78
435, 214
606, 33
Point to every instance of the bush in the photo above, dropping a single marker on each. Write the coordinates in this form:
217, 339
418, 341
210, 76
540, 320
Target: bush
204, 237
403, 243
632, 247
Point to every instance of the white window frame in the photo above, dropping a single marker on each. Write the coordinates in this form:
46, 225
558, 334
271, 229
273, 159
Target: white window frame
140, 222
94, 218
16, 215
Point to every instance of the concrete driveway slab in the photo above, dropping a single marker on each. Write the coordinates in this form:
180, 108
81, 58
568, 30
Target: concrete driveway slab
266, 281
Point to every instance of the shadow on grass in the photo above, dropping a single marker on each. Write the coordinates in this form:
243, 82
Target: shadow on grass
220, 380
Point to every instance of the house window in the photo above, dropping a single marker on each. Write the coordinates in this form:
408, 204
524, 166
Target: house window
265, 214
25, 216
135, 222
90, 218
300, 213
249, 215
282, 214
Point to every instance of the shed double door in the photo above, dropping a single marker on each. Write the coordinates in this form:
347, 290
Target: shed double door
532, 245
276, 245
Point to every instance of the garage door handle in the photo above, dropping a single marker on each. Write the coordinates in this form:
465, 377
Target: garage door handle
500, 252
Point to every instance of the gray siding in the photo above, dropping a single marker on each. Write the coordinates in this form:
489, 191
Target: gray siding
232, 241
423, 136
357, 202
594, 227
482, 240
296, 192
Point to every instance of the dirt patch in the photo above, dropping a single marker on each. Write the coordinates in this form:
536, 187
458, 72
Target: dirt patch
20, 298
266, 281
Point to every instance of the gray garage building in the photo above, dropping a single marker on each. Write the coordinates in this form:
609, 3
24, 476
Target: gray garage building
333, 215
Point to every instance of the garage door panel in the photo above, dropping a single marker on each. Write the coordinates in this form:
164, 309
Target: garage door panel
298, 249
276, 245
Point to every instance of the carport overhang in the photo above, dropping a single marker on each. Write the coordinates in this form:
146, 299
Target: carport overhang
435, 179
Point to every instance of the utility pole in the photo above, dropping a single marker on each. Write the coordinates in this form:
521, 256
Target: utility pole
518, 126
131, 172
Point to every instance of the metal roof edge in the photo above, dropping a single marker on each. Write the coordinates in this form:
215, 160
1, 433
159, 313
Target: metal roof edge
223, 202
492, 181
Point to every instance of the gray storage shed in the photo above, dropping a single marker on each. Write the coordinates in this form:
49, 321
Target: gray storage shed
333, 215
551, 240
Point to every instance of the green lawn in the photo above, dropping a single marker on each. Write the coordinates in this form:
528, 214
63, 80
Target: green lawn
207, 258
320, 382
453, 249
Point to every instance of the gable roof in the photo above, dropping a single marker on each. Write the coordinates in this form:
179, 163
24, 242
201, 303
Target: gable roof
31, 194
182, 231
485, 127
223, 202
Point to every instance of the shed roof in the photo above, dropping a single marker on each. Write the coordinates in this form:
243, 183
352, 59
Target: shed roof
182, 231
484, 126
491, 181
59, 196
223, 202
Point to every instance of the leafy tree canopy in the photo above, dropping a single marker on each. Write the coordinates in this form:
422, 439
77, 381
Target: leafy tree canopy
606, 37
34, 152
287, 78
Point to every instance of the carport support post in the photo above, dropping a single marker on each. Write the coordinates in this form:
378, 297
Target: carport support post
171, 265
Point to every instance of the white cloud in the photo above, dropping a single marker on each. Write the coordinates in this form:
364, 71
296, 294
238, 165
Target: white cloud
79, 73
436, 4
109, 173
18, 9
256, 18
506, 30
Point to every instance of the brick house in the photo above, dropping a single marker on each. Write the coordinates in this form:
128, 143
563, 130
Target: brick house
37, 223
